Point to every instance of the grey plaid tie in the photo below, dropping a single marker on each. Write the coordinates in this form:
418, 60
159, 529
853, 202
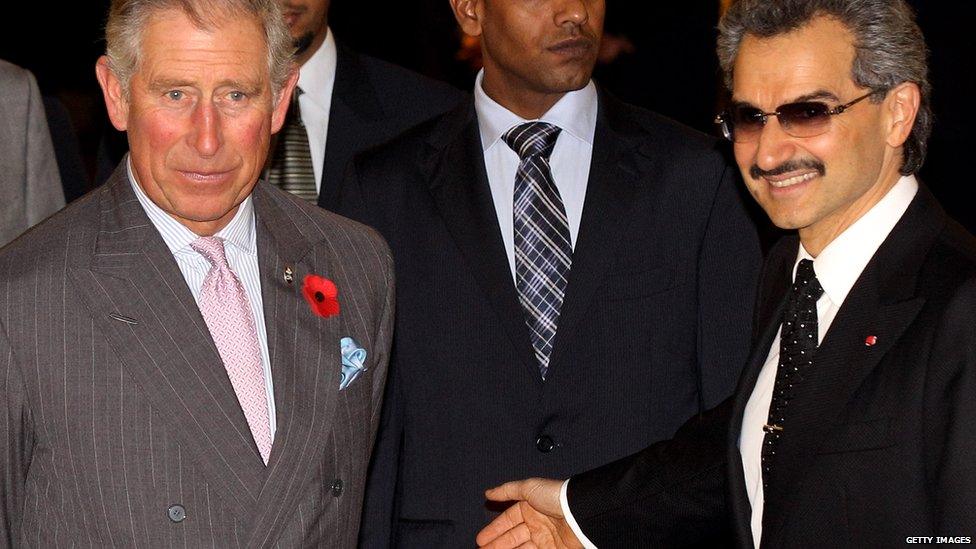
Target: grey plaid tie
543, 251
291, 162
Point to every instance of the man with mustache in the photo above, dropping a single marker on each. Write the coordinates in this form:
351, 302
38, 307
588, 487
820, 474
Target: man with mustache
854, 422
576, 277
345, 103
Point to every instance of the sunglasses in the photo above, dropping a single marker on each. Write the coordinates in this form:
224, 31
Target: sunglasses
743, 123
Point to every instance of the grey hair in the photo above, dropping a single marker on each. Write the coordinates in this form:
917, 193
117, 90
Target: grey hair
127, 19
889, 48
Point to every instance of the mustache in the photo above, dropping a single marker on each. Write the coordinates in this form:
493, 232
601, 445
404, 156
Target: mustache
789, 166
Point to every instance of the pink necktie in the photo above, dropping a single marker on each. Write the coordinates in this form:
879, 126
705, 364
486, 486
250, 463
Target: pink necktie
227, 312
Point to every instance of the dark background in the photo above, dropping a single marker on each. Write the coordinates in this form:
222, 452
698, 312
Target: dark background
672, 67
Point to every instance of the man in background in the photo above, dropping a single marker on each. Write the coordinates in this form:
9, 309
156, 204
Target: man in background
347, 102
30, 188
576, 276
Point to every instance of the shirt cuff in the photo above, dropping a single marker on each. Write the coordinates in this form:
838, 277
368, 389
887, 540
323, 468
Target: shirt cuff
564, 503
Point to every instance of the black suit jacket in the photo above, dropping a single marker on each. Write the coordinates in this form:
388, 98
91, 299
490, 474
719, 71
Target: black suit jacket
882, 438
655, 324
372, 102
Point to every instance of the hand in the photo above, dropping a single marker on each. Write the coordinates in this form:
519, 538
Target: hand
535, 520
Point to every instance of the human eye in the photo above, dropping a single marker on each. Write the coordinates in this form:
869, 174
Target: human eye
175, 95
237, 96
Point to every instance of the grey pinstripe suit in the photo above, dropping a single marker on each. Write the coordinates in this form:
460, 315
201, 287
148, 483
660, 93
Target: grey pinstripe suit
114, 405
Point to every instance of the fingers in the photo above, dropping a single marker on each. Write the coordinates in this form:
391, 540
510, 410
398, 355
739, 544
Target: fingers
501, 527
520, 536
510, 491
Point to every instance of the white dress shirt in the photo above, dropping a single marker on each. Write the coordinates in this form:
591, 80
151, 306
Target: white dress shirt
240, 245
837, 267
316, 78
575, 113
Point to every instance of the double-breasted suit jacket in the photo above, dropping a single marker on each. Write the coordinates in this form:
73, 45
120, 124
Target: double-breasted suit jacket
118, 423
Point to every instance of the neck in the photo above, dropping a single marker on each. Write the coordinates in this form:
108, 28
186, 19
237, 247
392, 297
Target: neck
525, 103
313, 47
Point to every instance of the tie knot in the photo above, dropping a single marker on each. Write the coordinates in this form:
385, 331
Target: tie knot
532, 139
806, 284
212, 248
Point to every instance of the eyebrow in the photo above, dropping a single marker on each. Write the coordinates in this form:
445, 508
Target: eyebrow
812, 96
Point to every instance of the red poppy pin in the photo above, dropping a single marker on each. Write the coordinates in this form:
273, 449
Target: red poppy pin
322, 295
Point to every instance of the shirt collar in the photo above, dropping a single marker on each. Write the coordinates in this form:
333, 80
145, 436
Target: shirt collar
574, 113
840, 264
317, 76
239, 232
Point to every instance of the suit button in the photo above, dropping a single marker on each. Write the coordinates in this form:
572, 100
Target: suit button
545, 444
337, 487
176, 513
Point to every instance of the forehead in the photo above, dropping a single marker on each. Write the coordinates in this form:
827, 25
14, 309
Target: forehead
816, 57
173, 46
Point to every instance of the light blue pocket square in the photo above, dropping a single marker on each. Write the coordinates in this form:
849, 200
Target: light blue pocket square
353, 361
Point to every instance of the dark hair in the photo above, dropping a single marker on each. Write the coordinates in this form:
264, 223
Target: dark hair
889, 48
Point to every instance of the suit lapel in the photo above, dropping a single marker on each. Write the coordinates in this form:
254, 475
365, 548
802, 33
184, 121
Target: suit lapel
613, 181
139, 301
459, 187
774, 284
354, 114
883, 304
305, 364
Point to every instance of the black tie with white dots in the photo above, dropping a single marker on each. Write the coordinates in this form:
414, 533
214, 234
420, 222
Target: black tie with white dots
798, 343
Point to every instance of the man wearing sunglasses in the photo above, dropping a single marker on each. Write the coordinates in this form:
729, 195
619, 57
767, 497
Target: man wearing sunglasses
854, 422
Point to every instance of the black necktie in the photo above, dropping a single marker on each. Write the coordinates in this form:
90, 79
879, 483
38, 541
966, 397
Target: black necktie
543, 252
798, 343
291, 162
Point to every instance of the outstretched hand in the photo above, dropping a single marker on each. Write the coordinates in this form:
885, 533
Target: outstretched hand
534, 520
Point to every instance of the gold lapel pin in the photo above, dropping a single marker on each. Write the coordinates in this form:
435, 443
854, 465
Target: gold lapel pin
289, 275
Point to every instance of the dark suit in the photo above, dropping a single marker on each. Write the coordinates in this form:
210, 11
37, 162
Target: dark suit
654, 327
372, 102
115, 407
881, 439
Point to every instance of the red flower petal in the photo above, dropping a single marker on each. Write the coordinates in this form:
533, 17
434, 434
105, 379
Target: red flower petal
322, 295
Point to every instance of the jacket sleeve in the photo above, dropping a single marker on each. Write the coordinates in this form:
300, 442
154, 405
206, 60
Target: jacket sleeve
950, 418
672, 493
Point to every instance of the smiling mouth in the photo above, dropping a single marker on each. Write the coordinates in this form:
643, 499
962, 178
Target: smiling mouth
785, 180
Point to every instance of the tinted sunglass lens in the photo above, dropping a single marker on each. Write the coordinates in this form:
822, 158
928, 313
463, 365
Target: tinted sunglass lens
747, 123
804, 119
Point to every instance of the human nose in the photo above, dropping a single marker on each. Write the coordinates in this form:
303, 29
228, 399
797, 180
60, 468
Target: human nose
574, 12
773, 145
206, 137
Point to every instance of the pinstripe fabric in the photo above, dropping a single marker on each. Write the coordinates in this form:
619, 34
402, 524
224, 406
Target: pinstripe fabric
242, 254
115, 406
